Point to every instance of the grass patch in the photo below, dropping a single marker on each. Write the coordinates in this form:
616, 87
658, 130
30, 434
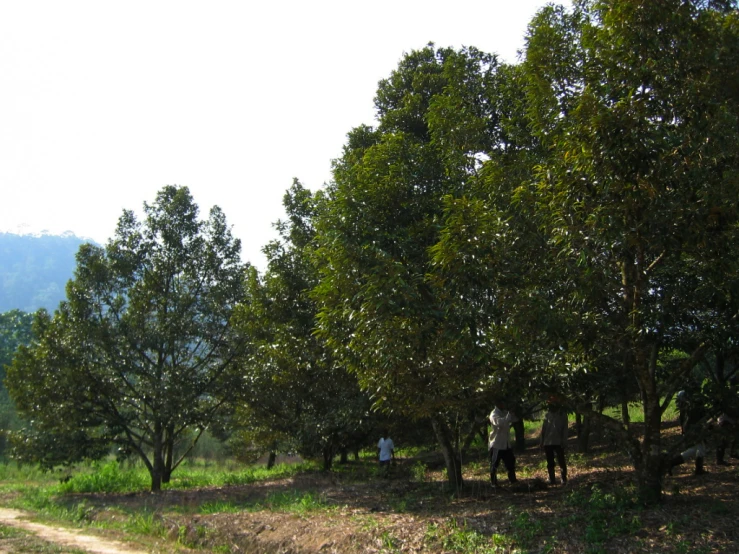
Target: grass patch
8, 532
604, 515
107, 477
636, 412
525, 527
110, 476
220, 507
453, 537
144, 523
12, 472
292, 502
295, 502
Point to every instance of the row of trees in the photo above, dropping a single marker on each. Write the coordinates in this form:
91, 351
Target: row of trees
567, 224
564, 224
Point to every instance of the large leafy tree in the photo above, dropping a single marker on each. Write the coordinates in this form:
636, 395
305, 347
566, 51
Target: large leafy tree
382, 310
143, 352
602, 238
637, 105
297, 391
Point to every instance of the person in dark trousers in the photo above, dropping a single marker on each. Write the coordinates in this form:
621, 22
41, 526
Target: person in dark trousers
499, 442
724, 434
554, 439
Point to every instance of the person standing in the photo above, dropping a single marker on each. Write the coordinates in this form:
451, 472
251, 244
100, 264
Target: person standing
692, 424
385, 453
499, 442
554, 439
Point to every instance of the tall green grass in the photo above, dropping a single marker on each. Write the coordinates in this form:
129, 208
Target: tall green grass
107, 477
11, 472
112, 477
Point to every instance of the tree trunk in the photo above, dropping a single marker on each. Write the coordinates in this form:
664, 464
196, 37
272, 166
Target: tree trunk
168, 455
477, 428
649, 479
272, 455
520, 434
157, 466
328, 458
648, 460
583, 436
452, 458
625, 417
344, 453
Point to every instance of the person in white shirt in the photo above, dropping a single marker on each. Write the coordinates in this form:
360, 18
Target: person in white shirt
499, 442
386, 453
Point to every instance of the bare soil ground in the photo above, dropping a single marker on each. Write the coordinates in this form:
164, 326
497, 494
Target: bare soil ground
407, 514
51, 538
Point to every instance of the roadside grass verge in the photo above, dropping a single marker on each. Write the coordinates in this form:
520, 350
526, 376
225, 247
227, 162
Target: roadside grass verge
47, 496
111, 477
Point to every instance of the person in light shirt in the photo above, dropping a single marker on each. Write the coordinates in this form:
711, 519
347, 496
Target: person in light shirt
500, 446
386, 453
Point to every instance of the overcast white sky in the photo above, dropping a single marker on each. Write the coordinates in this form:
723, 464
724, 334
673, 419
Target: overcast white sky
102, 103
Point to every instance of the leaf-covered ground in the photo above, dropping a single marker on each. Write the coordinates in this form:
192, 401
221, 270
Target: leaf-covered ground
354, 510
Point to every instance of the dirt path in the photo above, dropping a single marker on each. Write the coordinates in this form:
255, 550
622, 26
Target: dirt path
64, 537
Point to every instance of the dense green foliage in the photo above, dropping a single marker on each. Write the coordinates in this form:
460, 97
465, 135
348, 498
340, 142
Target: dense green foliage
142, 354
15, 330
297, 396
557, 226
637, 106
382, 310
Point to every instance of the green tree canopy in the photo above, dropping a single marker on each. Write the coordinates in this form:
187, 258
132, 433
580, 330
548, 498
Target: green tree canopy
143, 353
638, 106
382, 311
570, 222
295, 386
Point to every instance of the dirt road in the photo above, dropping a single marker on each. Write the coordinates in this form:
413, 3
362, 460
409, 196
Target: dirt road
63, 537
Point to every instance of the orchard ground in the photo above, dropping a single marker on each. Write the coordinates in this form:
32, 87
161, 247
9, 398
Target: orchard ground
353, 509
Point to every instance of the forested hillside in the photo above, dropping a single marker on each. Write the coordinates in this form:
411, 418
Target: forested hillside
35, 269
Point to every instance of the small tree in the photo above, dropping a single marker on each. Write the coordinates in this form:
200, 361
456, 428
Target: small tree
296, 389
142, 354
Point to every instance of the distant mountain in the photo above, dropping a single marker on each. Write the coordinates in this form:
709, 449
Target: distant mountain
34, 270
